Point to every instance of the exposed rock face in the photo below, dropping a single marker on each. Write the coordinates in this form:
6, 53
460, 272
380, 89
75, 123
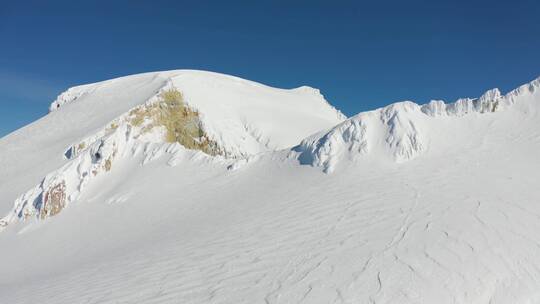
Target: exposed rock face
181, 123
108, 164
163, 121
54, 200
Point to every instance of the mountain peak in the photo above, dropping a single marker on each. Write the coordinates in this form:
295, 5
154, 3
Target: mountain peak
91, 127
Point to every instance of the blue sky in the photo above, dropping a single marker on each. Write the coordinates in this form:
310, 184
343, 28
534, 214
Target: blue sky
362, 55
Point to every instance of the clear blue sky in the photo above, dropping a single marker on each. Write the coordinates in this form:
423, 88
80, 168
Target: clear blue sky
362, 55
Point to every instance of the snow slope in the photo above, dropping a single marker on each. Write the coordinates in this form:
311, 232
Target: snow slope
404, 204
244, 118
405, 130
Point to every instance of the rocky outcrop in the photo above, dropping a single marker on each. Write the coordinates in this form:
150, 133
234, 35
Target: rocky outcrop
161, 122
180, 123
54, 200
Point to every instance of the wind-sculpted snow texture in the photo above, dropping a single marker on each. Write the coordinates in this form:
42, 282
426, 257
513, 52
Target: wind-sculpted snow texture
400, 131
406, 204
396, 131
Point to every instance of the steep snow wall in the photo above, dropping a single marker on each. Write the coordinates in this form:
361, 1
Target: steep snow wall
401, 131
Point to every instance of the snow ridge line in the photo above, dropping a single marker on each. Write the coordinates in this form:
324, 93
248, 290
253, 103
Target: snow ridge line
402, 127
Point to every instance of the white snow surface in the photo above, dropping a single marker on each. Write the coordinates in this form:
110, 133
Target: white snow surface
404, 130
242, 116
409, 203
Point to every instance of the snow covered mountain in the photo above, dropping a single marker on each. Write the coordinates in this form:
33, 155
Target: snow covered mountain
195, 187
91, 124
